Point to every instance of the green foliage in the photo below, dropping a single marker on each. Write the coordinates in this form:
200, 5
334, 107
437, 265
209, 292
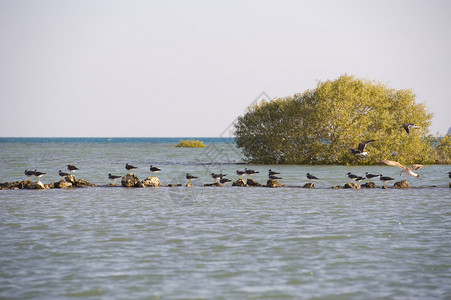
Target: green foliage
191, 144
320, 125
442, 150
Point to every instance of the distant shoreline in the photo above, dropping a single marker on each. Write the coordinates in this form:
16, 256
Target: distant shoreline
154, 140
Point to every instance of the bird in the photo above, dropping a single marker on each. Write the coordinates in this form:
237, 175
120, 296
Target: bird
190, 177
311, 177
29, 173
62, 174
406, 170
240, 173
370, 176
113, 178
351, 176
408, 126
224, 181
360, 151
217, 176
359, 178
129, 167
449, 174
250, 172
385, 179
154, 169
72, 168
38, 174
271, 172
274, 177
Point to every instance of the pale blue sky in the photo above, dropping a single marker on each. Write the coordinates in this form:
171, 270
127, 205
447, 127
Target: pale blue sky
189, 68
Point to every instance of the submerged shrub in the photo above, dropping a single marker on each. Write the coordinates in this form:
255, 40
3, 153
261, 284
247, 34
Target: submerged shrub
191, 144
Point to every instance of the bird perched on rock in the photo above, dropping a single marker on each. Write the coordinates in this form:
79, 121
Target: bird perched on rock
113, 178
129, 167
190, 177
240, 173
370, 176
224, 181
63, 174
311, 177
274, 177
360, 151
351, 176
408, 126
406, 170
154, 169
250, 172
385, 179
72, 168
29, 173
217, 176
271, 172
38, 174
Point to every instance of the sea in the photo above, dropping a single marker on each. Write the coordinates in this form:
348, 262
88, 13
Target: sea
202, 242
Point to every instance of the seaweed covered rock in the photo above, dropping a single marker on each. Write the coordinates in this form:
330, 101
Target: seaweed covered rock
401, 185
309, 185
252, 182
239, 182
152, 181
352, 185
369, 185
130, 180
273, 183
213, 184
62, 184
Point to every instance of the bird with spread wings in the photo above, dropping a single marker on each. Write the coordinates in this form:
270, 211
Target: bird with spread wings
406, 170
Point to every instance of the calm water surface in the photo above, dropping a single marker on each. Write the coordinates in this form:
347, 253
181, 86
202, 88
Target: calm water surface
221, 243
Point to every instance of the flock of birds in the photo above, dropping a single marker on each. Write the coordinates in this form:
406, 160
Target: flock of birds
273, 175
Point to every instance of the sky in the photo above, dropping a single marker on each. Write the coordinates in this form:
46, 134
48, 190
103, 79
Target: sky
94, 68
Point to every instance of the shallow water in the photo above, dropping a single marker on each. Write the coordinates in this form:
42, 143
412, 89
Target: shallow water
229, 242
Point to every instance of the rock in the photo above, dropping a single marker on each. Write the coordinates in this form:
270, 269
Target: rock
40, 185
130, 180
70, 178
213, 184
384, 187
337, 187
273, 183
352, 185
369, 185
83, 183
252, 182
401, 185
239, 182
152, 181
189, 184
62, 184
309, 185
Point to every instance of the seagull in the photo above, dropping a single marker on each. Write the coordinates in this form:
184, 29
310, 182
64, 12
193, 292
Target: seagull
113, 178
240, 173
370, 176
28, 173
250, 172
311, 177
154, 169
190, 177
224, 181
384, 179
274, 177
352, 176
408, 171
72, 168
38, 174
62, 174
360, 151
270, 172
217, 176
359, 178
129, 167
408, 126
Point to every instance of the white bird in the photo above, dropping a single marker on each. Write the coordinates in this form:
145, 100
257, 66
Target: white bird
407, 170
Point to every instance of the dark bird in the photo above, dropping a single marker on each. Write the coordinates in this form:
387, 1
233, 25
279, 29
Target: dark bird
250, 172
28, 173
154, 169
38, 174
370, 176
113, 178
449, 174
62, 174
408, 126
360, 151
72, 168
129, 167
217, 176
359, 178
224, 181
190, 177
274, 177
351, 176
311, 177
240, 173
385, 179
270, 172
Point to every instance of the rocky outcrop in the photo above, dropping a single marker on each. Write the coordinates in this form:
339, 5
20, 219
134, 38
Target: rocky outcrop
309, 185
130, 180
401, 185
352, 185
369, 185
62, 184
252, 182
239, 182
152, 181
273, 183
